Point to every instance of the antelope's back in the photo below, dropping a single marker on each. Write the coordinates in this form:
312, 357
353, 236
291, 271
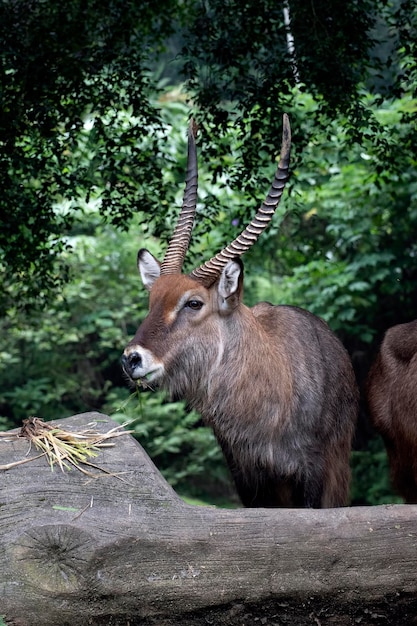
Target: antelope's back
324, 381
392, 402
392, 381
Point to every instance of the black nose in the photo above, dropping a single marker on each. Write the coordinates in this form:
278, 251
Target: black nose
131, 362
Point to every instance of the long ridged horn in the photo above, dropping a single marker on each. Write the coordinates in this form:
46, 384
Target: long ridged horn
209, 272
179, 242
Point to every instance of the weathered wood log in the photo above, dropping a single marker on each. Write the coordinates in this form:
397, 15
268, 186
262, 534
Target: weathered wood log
123, 548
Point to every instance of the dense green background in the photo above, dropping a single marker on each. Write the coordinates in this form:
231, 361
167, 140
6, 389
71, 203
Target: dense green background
95, 101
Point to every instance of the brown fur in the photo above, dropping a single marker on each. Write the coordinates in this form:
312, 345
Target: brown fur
273, 382
392, 401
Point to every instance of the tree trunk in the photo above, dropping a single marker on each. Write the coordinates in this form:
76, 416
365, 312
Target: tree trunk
124, 549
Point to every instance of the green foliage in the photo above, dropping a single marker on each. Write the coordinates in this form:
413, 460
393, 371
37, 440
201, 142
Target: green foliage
67, 76
228, 61
371, 483
246, 77
80, 118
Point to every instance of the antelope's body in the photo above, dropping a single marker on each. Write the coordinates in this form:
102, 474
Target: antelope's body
392, 401
273, 382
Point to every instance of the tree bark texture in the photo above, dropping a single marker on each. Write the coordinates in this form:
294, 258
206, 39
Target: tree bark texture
124, 549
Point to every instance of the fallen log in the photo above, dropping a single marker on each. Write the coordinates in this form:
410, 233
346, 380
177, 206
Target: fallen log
121, 548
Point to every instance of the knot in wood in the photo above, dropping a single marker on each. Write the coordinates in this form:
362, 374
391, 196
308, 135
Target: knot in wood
53, 557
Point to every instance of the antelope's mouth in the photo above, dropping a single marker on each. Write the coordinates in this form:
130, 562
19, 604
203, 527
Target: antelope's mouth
148, 381
145, 383
141, 368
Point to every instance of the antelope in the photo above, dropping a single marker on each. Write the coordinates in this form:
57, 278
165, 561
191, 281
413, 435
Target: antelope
392, 403
273, 382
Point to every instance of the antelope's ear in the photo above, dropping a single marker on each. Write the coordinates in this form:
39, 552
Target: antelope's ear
230, 285
149, 268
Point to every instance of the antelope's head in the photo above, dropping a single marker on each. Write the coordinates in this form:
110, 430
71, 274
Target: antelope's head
181, 332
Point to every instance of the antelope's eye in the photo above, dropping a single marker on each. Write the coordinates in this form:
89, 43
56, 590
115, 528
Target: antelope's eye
195, 305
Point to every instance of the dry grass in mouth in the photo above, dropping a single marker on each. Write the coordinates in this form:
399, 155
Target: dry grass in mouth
64, 448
